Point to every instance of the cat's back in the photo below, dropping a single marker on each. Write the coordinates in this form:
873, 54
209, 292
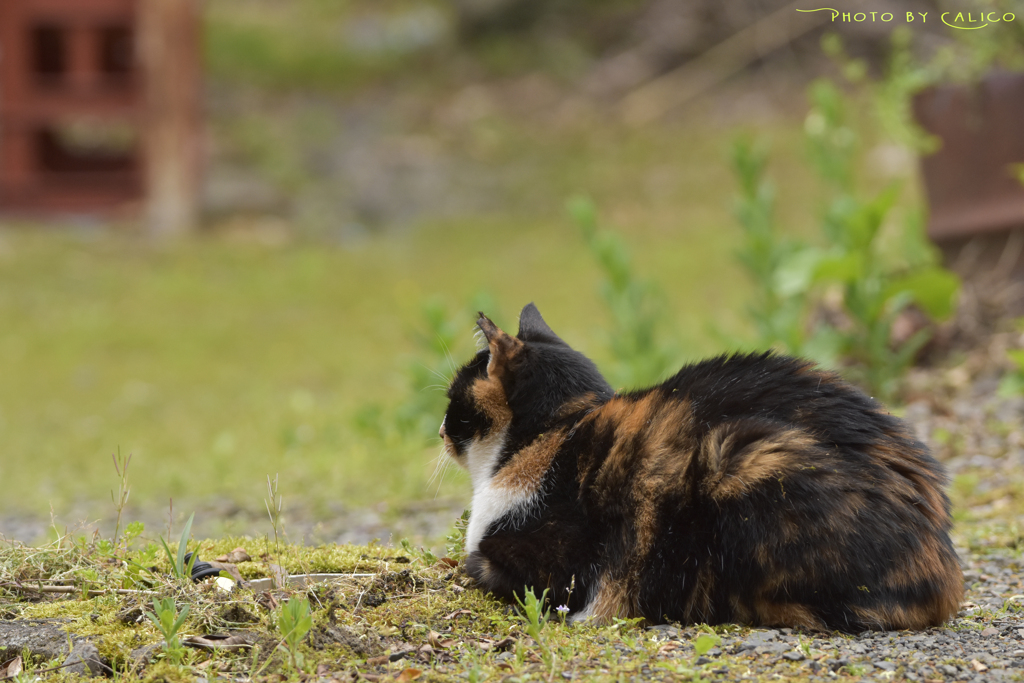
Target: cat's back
781, 388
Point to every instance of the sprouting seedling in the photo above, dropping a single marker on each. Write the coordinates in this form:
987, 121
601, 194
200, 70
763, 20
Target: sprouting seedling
534, 617
294, 622
179, 568
121, 467
168, 621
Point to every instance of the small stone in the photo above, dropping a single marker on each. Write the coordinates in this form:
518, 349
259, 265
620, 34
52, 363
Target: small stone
948, 670
989, 632
885, 666
84, 660
665, 630
235, 556
141, 656
700, 661
794, 656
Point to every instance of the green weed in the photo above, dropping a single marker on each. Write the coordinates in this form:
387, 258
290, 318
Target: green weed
837, 302
294, 622
534, 617
168, 621
455, 542
634, 304
180, 569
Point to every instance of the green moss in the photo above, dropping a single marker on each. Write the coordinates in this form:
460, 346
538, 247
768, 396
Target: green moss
164, 672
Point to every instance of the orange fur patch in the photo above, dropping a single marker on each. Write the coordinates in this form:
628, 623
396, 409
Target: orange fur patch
490, 396
527, 468
612, 601
767, 458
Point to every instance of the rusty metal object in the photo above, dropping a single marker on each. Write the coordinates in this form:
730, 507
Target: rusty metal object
68, 80
971, 183
97, 100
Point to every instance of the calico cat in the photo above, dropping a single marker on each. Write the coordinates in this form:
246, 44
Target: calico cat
746, 488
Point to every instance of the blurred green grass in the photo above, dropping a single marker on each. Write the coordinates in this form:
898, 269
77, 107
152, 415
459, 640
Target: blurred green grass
219, 360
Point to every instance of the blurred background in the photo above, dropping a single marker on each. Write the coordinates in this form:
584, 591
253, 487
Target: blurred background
243, 239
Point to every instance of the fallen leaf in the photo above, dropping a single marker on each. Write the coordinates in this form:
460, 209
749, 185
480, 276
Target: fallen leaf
408, 675
322, 669
378, 661
978, 666
218, 641
229, 568
15, 667
668, 647
438, 642
503, 644
457, 613
267, 600
505, 665
235, 556
450, 562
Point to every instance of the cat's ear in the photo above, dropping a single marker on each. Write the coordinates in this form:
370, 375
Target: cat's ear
503, 348
532, 326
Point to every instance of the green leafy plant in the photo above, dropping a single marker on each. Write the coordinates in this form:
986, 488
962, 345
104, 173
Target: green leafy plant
180, 569
168, 621
429, 373
837, 302
294, 622
423, 554
534, 617
778, 315
703, 643
632, 302
455, 542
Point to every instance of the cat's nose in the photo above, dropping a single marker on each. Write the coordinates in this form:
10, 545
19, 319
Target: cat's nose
440, 432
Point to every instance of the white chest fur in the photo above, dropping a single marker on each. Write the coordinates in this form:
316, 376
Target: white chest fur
490, 502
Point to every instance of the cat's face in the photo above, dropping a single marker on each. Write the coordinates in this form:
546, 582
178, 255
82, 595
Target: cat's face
511, 390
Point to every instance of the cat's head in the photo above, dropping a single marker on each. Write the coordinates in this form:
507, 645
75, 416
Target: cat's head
513, 389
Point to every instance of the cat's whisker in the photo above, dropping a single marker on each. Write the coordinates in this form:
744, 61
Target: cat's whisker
444, 470
448, 354
437, 374
438, 464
